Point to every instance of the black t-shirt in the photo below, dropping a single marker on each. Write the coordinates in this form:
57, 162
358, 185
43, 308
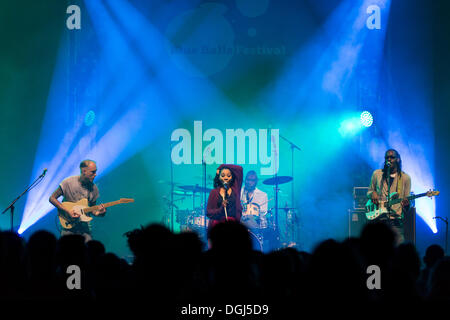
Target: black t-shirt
231, 206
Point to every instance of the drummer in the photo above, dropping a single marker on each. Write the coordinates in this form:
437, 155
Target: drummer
254, 203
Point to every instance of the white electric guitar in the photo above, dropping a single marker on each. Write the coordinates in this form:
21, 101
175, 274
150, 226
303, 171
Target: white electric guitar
373, 211
82, 208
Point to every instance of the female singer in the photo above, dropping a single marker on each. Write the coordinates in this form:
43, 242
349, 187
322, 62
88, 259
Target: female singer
224, 202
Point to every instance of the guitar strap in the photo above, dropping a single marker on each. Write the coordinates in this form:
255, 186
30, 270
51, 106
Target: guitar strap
399, 189
399, 185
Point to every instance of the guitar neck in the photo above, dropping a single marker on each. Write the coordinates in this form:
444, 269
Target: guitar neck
395, 201
106, 205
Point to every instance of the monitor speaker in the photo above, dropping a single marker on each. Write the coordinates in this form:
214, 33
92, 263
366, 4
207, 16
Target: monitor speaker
356, 222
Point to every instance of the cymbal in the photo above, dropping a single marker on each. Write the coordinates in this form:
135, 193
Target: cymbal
277, 180
195, 189
209, 177
168, 182
184, 193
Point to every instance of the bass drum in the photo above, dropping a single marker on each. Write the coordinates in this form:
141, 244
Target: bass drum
257, 242
200, 221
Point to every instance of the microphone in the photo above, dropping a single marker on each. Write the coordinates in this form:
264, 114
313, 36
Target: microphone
225, 186
43, 173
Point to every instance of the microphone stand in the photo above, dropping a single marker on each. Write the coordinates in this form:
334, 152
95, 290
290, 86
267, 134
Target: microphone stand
224, 198
11, 207
293, 147
446, 230
388, 178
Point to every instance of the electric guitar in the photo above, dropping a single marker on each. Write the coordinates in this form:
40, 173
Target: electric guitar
373, 211
82, 208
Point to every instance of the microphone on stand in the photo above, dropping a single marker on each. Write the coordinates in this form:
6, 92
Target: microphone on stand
225, 186
388, 168
43, 173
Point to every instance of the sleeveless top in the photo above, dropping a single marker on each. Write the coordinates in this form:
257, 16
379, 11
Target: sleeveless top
231, 206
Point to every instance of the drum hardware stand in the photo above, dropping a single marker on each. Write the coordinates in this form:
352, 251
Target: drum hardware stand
276, 228
193, 198
276, 181
171, 186
31, 186
204, 194
277, 231
293, 147
193, 213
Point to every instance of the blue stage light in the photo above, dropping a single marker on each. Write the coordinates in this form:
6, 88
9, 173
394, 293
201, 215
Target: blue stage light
89, 118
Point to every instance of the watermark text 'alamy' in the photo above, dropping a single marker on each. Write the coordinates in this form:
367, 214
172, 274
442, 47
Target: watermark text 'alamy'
259, 146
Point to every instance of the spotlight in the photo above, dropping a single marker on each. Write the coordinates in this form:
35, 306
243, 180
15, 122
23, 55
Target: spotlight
89, 118
366, 119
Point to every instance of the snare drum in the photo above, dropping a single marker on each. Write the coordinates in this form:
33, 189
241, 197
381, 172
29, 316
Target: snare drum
250, 217
263, 224
199, 221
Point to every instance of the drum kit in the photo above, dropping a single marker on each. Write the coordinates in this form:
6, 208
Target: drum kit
262, 226
192, 219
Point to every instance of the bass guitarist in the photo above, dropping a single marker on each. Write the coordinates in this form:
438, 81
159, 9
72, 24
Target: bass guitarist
73, 189
386, 181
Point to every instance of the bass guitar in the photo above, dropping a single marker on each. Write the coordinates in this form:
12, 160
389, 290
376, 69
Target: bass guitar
373, 211
82, 208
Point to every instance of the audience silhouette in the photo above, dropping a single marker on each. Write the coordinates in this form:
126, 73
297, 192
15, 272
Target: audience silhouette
176, 268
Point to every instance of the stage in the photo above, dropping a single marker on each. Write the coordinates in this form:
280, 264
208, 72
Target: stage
160, 93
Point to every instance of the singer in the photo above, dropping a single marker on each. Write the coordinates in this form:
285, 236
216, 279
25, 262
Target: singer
224, 202
386, 181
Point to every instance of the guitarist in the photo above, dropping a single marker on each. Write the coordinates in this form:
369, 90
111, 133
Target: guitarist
399, 182
75, 188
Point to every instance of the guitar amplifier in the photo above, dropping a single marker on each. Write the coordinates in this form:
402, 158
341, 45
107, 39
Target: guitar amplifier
356, 222
409, 225
360, 198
